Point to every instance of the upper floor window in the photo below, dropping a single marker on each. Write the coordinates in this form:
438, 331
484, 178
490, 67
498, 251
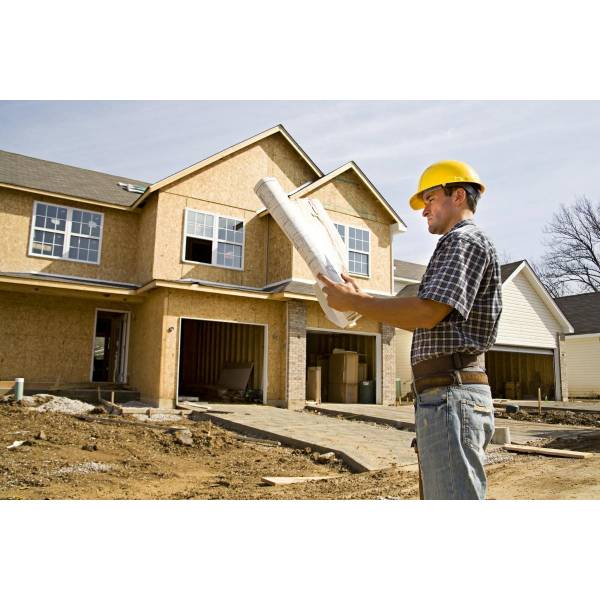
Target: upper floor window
358, 243
213, 240
66, 233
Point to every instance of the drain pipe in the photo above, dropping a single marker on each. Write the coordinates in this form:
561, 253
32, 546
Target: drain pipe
19, 385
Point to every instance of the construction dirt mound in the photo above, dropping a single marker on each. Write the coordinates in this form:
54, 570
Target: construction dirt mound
55, 455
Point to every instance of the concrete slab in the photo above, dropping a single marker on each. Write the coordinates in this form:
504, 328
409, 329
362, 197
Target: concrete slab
362, 446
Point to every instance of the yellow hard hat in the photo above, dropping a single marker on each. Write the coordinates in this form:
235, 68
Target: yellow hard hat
442, 173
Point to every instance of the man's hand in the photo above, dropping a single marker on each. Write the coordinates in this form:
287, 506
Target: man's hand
342, 296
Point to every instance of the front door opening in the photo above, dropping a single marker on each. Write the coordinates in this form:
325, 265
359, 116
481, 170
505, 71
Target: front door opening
110, 341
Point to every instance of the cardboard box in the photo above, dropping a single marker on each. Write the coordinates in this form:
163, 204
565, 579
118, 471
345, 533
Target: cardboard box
313, 384
323, 363
362, 372
346, 393
343, 367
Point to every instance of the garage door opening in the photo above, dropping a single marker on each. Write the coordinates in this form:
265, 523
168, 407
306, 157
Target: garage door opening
518, 375
222, 362
351, 379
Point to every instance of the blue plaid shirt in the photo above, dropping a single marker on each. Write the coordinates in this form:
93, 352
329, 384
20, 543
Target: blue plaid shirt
463, 273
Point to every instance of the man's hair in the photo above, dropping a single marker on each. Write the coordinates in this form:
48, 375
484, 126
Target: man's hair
471, 191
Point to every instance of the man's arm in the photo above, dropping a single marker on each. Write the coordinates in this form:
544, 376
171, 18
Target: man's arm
404, 313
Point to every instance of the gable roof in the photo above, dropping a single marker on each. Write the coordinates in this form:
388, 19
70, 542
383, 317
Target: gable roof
583, 311
351, 166
36, 175
509, 268
278, 129
408, 270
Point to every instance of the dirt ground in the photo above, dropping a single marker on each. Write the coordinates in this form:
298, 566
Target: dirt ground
121, 458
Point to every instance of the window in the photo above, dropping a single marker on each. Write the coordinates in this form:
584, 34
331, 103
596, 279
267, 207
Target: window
358, 244
66, 233
213, 240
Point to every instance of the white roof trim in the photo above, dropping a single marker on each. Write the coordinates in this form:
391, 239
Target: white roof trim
542, 293
224, 153
354, 167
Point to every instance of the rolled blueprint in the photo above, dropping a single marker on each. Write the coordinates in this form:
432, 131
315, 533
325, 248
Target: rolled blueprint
308, 226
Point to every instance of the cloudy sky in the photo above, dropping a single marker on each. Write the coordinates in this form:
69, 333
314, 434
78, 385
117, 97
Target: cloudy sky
532, 155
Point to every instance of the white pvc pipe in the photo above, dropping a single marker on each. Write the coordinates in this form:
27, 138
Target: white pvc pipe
19, 385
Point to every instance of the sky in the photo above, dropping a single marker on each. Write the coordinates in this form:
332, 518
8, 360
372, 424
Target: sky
531, 155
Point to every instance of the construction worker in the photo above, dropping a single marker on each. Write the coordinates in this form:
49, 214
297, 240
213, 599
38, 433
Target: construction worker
455, 320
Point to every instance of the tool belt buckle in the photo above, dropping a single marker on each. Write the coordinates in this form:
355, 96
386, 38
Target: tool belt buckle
456, 377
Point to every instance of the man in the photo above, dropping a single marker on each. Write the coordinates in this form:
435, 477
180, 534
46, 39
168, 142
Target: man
455, 320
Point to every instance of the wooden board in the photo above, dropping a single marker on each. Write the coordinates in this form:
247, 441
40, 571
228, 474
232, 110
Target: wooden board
288, 480
547, 451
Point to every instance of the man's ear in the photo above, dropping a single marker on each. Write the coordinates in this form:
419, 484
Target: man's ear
460, 196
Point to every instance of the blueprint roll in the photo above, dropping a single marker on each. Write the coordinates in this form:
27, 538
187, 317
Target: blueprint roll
308, 226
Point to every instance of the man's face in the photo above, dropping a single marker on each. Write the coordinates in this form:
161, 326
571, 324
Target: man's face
440, 210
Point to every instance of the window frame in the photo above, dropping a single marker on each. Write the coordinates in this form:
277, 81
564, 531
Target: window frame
215, 239
67, 234
346, 241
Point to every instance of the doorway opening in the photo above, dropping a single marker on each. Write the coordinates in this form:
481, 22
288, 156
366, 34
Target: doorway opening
109, 358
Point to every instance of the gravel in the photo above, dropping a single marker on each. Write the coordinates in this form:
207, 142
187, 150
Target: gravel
86, 467
67, 406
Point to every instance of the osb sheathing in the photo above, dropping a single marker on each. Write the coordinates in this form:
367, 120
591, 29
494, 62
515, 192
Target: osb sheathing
227, 188
315, 317
118, 250
147, 337
349, 202
279, 253
146, 240
183, 304
48, 338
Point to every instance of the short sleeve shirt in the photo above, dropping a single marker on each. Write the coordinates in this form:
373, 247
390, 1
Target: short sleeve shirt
463, 273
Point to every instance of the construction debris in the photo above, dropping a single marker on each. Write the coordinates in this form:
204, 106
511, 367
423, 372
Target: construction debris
289, 480
547, 451
16, 444
67, 406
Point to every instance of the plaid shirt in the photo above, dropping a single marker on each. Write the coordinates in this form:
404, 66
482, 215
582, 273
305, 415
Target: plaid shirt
463, 273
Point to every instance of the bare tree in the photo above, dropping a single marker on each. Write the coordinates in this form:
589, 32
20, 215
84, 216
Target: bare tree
572, 261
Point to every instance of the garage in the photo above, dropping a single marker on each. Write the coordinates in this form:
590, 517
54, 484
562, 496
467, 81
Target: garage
342, 367
517, 373
222, 361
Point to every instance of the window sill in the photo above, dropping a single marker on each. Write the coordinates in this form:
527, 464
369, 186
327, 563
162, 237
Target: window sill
75, 260
193, 262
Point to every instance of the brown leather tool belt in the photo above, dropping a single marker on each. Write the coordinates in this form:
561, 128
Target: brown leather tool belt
448, 370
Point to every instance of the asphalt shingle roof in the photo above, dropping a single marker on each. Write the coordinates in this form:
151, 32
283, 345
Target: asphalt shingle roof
582, 311
43, 175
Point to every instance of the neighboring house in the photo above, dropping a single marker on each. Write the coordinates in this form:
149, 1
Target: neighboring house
529, 352
106, 279
583, 346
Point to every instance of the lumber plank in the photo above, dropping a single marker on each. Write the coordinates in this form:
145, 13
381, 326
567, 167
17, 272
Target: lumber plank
547, 451
289, 480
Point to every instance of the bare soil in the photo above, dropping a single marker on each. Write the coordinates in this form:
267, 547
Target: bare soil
121, 458
564, 417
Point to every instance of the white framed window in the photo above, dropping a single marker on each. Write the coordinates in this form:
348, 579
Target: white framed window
66, 233
358, 243
212, 239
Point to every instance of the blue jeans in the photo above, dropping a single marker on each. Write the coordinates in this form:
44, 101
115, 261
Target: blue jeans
454, 425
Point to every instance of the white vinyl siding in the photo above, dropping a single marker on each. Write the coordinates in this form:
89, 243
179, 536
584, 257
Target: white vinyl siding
223, 236
583, 366
66, 233
358, 243
525, 319
403, 341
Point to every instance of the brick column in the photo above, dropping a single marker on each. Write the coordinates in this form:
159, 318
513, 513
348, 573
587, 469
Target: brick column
562, 361
295, 385
388, 364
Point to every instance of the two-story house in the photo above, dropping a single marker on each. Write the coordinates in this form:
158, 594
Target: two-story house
105, 279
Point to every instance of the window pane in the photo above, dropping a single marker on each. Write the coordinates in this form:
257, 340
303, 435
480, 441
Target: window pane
47, 243
358, 263
200, 224
229, 255
341, 230
358, 239
231, 230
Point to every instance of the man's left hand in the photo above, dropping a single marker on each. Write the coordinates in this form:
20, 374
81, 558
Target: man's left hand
341, 296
